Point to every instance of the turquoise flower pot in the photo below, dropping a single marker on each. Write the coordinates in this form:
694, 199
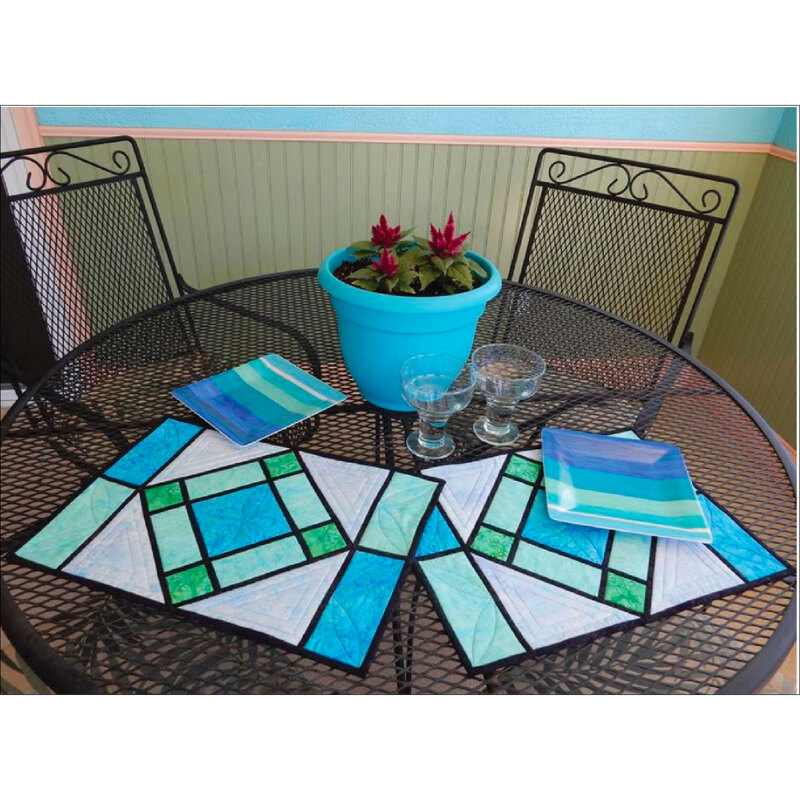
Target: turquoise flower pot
378, 332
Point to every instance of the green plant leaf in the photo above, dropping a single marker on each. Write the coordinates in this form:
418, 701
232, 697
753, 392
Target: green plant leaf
412, 272
390, 283
404, 283
370, 286
423, 243
405, 233
427, 275
408, 258
442, 264
365, 273
449, 288
461, 274
362, 245
476, 268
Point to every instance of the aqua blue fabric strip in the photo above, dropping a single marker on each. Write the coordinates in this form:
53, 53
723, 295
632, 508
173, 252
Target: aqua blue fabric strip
348, 623
508, 505
630, 553
576, 540
149, 455
301, 500
561, 569
737, 547
240, 518
437, 535
224, 479
73, 525
177, 544
258, 561
397, 516
469, 607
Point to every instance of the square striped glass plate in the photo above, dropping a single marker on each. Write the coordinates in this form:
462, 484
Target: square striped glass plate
620, 484
259, 398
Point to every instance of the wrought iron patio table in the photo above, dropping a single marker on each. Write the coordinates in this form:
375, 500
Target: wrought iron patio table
603, 375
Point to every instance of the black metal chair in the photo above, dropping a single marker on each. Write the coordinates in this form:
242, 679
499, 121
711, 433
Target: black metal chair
634, 239
83, 248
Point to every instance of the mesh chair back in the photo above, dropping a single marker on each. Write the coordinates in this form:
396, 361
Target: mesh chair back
91, 235
637, 240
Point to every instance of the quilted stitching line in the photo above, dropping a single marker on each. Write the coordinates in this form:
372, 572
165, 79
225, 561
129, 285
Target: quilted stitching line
149, 548
609, 622
376, 478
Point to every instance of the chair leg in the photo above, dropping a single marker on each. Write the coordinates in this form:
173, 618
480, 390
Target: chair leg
412, 622
651, 407
17, 387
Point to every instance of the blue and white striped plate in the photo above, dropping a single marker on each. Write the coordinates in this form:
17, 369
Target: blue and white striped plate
259, 398
620, 484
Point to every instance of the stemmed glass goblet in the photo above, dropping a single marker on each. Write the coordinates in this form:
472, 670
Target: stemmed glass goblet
506, 374
436, 386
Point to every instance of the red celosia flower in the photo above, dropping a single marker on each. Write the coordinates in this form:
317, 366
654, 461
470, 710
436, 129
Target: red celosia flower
444, 243
386, 265
384, 235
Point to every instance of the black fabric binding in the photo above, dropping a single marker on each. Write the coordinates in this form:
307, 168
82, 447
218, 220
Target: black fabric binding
640, 618
411, 561
178, 609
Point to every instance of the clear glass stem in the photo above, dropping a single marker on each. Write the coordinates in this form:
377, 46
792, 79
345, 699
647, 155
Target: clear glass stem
431, 432
498, 416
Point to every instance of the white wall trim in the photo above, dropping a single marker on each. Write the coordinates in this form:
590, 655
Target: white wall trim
81, 132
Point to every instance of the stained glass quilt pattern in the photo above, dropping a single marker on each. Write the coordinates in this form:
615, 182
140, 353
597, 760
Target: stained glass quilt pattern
305, 550
509, 582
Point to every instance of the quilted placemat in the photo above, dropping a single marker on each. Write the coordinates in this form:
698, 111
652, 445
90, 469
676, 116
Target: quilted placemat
304, 550
509, 582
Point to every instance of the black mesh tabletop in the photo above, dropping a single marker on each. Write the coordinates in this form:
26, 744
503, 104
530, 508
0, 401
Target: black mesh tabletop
603, 375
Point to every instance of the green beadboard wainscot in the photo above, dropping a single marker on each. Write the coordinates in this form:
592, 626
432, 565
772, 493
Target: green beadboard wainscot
750, 339
238, 208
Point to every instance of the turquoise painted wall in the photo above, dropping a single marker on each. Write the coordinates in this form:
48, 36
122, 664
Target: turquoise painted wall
786, 135
673, 123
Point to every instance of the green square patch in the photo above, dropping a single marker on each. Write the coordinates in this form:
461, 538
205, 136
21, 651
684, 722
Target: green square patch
284, 464
523, 469
189, 583
164, 496
625, 592
324, 539
493, 543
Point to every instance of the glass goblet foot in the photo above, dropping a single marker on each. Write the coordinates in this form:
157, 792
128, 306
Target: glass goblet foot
494, 434
421, 447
